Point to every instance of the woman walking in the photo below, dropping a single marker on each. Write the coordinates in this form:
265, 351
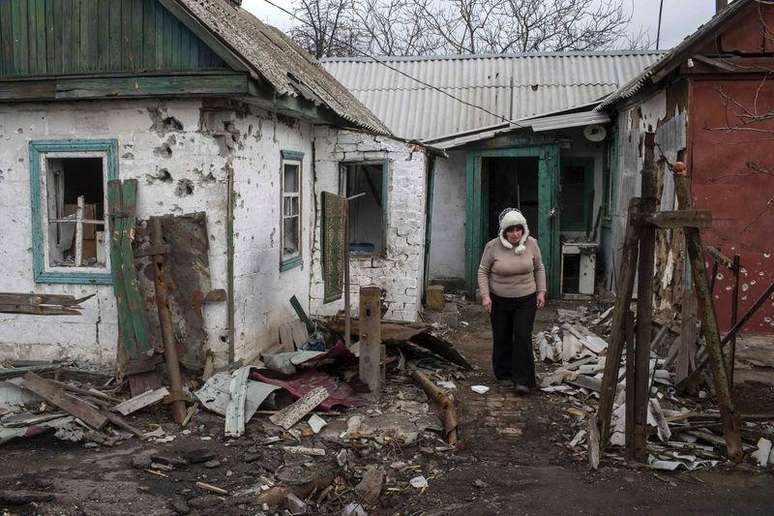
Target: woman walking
512, 282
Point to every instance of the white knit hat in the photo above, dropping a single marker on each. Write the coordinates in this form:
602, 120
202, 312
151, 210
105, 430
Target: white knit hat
513, 217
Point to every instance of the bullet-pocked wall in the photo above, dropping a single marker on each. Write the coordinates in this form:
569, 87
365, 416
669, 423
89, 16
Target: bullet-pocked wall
398, 269
179, 169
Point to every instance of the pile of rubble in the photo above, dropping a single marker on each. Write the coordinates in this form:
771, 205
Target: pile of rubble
685, 434
320, 442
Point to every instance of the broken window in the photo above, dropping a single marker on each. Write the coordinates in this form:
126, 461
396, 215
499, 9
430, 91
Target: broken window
291, 213
70, 234
75, 196
576, 195
366, 211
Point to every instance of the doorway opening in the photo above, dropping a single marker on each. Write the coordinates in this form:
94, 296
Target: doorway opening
512, 183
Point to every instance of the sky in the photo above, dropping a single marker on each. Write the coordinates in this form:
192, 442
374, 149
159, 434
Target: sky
679, 19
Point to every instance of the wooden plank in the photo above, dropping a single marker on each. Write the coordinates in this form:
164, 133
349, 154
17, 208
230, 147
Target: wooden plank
127, 58
645, 273
235, 411
227, 84
718, 256
86, 34
41, 299
145, 399
133, 297
36, 310
631, 346
6, 39
67, 45
371, 348
116, 41
103, 36
292, 414
616, 341
38, 59
117, 224
137, 34
149, 34
710, 331
56, 395
681, 219
20, 30
159, 37
53, 60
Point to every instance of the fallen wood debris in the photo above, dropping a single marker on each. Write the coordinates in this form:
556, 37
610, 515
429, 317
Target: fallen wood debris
139, 402
294, 413
56, 395
41, 304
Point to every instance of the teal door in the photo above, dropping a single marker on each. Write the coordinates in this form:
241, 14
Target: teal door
479, 220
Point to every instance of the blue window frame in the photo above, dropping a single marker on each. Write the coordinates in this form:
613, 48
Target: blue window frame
291, 221
52, 162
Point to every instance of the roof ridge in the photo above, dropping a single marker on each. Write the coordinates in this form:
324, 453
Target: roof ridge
516, 55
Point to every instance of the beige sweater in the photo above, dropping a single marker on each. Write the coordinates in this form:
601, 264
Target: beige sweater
507, 274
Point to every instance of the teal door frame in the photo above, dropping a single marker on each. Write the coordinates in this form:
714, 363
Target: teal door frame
477, 203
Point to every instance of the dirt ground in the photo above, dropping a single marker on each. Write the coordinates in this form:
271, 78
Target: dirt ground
512, 458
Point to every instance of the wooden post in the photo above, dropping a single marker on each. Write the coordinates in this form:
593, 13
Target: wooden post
735, 269
630, 381
709, 326
165, 320
618, 329
370, 330
645, 302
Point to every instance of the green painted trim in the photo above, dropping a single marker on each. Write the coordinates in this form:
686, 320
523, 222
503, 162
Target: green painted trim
548, 190
291, 263
36, 149
292, 155
125, 87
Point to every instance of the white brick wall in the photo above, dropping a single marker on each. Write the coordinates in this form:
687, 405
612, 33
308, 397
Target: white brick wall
400, 271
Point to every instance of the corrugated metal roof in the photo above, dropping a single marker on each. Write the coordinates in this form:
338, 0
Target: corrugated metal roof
513, 86
275, 57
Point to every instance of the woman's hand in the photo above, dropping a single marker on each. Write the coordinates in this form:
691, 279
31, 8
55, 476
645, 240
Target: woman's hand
486, 302
541, 300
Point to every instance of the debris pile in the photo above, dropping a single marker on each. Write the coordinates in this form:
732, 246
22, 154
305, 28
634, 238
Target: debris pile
309, 438
684, 433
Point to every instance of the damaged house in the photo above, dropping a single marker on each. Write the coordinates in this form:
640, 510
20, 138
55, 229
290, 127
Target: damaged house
710, 104
231, 133
520, 131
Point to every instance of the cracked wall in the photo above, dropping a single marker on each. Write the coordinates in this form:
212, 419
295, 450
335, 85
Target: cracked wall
399, 271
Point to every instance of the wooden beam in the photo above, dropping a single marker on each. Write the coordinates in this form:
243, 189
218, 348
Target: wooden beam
681, 219
645, 302
56, 395
125, 87
618, 328
709, 327
718, 256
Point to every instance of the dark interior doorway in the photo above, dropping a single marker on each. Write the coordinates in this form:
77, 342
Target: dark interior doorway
511, 183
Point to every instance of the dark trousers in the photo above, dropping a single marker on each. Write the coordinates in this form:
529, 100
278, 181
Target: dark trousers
512, 320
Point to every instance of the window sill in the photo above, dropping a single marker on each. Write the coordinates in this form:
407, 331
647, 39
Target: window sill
291, 263
74, 278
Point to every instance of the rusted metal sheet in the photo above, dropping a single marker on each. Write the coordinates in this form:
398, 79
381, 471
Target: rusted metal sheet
732, 171
188, 280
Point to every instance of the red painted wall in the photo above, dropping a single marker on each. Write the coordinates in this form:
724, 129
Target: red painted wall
732, 169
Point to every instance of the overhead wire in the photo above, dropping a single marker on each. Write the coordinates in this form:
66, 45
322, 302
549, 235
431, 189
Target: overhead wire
399, 71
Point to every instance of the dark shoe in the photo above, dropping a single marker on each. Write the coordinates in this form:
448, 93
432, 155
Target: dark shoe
504, 382
521, 390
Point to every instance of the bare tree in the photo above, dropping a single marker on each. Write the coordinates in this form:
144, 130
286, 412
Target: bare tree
415, 27
326, 28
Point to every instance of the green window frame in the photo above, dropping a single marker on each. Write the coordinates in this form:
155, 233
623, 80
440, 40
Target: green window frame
291, 207
39, 151
584, 223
